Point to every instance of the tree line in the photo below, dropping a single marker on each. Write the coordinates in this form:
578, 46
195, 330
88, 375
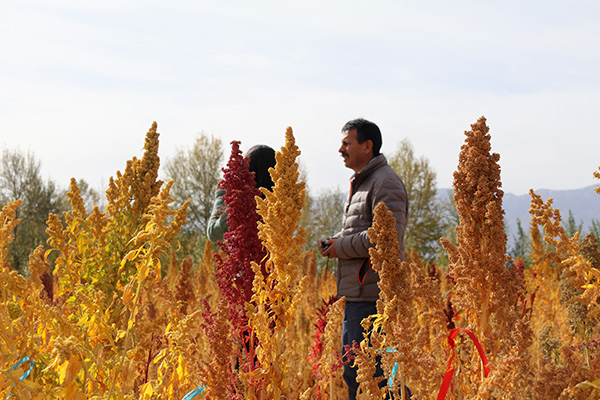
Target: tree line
196, 171
21, 179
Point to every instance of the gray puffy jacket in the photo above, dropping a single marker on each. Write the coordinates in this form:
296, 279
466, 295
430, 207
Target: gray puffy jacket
375, 183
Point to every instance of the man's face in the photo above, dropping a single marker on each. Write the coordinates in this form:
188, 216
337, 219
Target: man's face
356, 155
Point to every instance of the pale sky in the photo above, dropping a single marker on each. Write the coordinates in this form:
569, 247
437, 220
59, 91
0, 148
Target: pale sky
82, 81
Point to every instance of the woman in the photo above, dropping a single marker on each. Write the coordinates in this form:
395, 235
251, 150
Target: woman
261, 158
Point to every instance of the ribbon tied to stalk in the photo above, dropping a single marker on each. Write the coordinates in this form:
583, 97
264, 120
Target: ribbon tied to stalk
199, 390
450, 369
26, 373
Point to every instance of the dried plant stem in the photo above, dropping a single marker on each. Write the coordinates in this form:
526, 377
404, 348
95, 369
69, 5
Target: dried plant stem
130, 322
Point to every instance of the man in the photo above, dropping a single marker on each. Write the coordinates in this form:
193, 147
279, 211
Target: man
373, 181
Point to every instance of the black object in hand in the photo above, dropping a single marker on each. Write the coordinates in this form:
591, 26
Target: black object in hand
325, 245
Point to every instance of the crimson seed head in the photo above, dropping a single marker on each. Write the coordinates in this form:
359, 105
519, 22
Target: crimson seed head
241, 244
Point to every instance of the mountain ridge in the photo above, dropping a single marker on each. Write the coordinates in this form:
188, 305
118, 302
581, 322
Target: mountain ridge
584, 204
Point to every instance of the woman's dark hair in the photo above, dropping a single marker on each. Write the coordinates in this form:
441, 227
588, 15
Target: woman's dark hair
261, 158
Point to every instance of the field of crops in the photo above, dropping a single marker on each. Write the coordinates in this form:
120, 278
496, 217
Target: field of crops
109, 312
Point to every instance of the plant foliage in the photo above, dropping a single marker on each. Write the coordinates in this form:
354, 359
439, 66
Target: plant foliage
115, 314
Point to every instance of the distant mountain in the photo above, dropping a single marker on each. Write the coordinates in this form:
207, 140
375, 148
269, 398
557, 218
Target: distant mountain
584, 204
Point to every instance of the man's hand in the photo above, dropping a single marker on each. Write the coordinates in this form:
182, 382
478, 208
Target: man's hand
327, 248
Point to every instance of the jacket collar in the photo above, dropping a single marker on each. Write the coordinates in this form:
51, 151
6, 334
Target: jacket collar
376, 162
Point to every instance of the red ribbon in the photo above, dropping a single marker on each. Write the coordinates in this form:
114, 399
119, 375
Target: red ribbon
450, 369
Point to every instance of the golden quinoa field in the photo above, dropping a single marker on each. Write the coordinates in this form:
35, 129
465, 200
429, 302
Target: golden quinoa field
110, 312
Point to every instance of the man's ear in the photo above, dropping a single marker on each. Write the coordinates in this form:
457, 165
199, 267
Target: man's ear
368, 146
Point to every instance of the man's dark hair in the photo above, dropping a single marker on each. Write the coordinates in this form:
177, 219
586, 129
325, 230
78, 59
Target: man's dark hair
261, 158
365, 130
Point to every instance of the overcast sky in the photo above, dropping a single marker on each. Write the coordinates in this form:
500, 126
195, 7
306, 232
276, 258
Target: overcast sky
82, 81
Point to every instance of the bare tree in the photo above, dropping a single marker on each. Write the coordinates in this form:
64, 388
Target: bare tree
20, 178
426, 222
196, 172
322, 216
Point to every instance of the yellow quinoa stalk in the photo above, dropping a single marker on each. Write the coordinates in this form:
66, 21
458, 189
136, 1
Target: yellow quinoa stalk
331, 349
163, 225
510, 376
19, 301
393, 331
307, 302
215, 373
281, 210
176, 366
548, 316
574, 273
27, 333
410, 323
484, 294
327, 283
130, 193
206, 285
566, 332
184, 287
276, 307
313, 300
160, 318
394, 278
104, 238
310, 270
366, 360
8, 223
107, 265
142, 175
426, 360
97, 327
146, 184
591, 275
96, 260
589, 249
152, 244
